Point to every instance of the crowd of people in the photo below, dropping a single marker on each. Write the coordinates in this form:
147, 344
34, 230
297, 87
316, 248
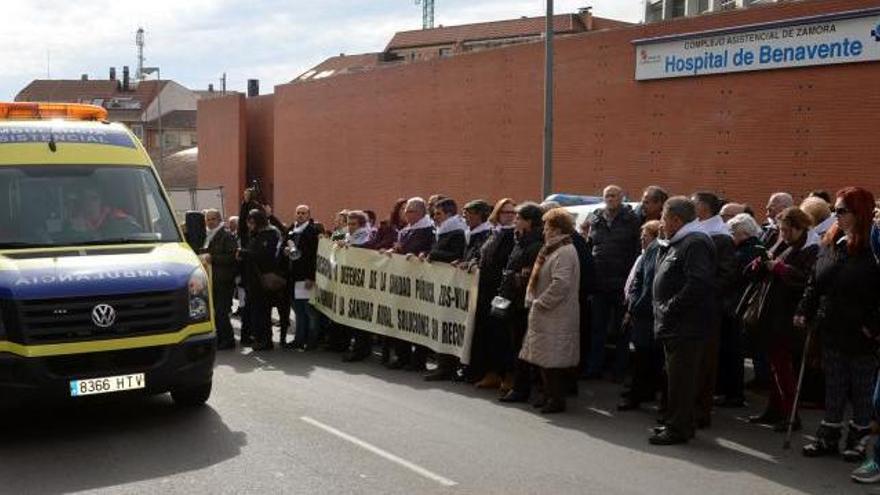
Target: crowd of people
684, 289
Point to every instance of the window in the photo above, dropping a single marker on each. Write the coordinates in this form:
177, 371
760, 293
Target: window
172, 139
138, 131
655, 12
678, 8
726, 4
445, 52
704, 6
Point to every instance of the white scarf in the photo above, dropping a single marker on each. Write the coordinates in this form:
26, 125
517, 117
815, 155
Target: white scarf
452, 224
688, 228
211, 234
299, 227
360, 237
483, 227
715, 226
424, 223
825, 226
813, 239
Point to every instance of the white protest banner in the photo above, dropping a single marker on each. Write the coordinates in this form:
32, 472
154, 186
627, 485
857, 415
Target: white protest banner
430, 304
833, 39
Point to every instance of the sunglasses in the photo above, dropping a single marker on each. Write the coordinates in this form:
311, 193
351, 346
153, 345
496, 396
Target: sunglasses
841, 211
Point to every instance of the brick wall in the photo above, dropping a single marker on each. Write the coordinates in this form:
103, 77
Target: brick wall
260, 143
471, 125
222, 141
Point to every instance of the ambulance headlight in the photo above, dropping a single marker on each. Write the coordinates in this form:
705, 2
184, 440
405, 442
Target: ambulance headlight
199, 295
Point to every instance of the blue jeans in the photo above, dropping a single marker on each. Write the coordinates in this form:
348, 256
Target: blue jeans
306, 323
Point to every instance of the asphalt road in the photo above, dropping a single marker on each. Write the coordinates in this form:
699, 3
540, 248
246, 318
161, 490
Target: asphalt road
288, 422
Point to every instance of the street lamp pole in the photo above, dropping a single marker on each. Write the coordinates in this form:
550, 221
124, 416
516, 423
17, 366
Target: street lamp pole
547, 188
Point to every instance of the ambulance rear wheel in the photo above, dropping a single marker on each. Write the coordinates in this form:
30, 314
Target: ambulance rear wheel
192, 396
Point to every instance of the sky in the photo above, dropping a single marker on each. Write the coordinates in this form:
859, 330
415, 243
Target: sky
195, 41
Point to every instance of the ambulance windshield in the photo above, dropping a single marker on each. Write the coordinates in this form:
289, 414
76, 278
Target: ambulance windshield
76, 205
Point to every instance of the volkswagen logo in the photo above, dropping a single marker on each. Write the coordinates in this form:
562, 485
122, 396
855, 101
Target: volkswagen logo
103, 316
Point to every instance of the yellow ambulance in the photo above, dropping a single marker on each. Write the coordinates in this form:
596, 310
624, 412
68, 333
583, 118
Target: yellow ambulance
98, 292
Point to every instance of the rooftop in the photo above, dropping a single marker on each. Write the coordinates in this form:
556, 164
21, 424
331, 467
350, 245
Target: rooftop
511, 28
107, 93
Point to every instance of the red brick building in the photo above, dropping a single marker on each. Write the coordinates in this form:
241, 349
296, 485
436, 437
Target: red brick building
471, 125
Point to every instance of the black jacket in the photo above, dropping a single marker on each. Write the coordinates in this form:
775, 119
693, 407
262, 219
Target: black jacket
843, 297
415, 241
641, 295
307, 243
243, 212
787, 284
448, 247
493, 258
224, 266
474, 248
587, 269
615, 247
684, 288
514, 281
262, 256
726, 273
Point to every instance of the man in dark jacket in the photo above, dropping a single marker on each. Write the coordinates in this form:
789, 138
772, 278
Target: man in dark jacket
450, 241
302, 249
614, 238
647, 362
449, 247
249, 203
708, 208
778, 202
413, 240
652, 203
684, 284
219, 253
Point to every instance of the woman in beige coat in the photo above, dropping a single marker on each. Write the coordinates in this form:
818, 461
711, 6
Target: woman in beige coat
552, 342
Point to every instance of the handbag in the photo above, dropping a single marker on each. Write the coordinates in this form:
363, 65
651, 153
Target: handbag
752, 306
500, 307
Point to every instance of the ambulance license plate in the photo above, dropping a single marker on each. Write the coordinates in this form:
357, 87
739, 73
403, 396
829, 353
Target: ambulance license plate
106, 385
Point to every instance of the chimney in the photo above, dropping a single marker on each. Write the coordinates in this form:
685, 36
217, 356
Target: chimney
84, 77
112, 73
210, 88
125, 78
253, 88
586, 15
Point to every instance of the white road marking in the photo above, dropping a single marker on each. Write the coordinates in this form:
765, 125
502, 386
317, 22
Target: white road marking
602, 412
381, 453
729, 444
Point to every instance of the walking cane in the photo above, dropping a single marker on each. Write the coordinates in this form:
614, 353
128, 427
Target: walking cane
797, 394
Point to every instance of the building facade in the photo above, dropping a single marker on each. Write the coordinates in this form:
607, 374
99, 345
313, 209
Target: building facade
471, 126
661, 10
162, 114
